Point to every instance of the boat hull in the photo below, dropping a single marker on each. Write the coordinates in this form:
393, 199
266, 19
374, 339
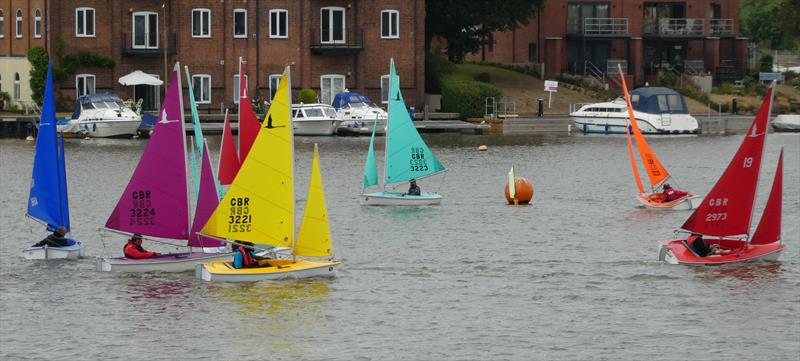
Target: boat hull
400, 199
73, 251
273, 269
676, 252
173, 262
609, 125
688, 202
315, 127
104, 128
786, 123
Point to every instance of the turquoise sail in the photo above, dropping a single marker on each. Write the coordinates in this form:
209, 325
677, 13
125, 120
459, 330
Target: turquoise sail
48, 200
371, 166
198, 141
407, 155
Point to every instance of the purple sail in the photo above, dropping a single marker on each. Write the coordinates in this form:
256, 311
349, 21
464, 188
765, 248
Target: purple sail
207, 201
156, 201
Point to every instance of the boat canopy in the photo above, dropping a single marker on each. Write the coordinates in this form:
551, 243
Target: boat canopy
345, 98
657, 100
96, 101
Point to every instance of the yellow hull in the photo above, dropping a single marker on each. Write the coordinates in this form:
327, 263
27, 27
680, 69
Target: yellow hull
268, 270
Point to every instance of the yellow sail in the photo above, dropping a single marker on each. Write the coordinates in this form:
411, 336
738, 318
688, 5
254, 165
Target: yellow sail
259, 205
314, 238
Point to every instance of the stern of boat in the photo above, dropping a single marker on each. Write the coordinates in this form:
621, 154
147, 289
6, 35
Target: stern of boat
73, 251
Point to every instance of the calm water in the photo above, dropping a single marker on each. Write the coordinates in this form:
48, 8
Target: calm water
574, 276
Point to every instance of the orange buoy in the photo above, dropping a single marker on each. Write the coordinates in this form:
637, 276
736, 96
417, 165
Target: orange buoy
523, 191
482, 147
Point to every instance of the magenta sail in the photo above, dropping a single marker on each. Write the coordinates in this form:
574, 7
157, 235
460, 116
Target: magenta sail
156, 201
207, 201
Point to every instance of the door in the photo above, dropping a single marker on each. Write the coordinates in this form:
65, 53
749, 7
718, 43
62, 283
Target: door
145, 30
330, 85
149, 94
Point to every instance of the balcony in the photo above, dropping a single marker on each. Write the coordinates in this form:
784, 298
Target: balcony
346, 47
721, 27
144, 51
675, 27
598, 27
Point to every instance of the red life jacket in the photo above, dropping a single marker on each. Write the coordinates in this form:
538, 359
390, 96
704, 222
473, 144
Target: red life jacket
247, 259
670, 195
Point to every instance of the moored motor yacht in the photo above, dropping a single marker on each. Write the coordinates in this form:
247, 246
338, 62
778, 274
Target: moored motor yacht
314, 119
657, 111
358, 114
102, 115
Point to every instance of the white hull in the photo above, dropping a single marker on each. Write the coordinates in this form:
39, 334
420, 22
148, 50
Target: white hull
400, 199
315, 127
685, 205
201, 272
160, 264
46, 252
359, 127
666, 255
786, 123
104, 128
617, 125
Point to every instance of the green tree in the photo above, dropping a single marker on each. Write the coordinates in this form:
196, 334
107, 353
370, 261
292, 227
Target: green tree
771, 23
38, 58
466, 25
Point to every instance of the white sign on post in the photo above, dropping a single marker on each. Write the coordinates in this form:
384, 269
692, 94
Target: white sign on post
550, 86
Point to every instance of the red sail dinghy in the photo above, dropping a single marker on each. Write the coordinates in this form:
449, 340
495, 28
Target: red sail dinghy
720, 227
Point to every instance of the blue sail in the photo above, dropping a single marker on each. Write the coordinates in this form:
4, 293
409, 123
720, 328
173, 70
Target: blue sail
371, 166
407, 155
48, 201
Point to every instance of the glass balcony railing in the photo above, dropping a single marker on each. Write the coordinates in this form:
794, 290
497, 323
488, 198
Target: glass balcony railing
598, 26
675, 27
721, 27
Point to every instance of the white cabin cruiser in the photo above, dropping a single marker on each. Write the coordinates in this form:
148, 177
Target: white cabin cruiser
314, 119
657, 111
102, 115
786, 123
358, 114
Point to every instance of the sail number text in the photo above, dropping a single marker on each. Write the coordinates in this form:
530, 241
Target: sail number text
240, 219
417, 161
142, 212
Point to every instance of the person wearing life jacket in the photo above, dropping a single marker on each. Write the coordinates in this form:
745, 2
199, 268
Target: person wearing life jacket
671, 194
133, 249
701, 248
243, 256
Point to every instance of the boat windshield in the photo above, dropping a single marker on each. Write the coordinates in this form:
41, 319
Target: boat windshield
314, 112
330, 112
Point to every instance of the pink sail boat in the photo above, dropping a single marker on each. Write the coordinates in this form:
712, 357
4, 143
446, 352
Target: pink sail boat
720, 226
155, 202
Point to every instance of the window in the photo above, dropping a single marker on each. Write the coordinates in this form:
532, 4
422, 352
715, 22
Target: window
201, 87
145, 30
201, 23
84, 22
385, 88
2, 25
236, 87
239, 23
389, 24
16, 86
84, 84
274, 81
330, 85
37, 24
332, 25
278, 23
19, 23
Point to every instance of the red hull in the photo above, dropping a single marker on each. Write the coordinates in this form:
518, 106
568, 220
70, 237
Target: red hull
737, 253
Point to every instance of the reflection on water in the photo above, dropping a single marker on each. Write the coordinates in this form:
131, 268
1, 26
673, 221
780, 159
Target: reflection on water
753, 274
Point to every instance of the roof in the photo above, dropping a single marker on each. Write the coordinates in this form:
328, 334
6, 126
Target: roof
99, 97
349, 97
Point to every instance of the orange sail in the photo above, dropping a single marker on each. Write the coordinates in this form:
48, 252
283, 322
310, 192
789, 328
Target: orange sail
633, 163
655, 170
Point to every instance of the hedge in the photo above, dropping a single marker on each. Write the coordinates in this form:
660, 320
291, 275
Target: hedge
466, 96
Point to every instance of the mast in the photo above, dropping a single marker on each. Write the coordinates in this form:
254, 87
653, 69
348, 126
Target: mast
288, 72
183, 140
388, 135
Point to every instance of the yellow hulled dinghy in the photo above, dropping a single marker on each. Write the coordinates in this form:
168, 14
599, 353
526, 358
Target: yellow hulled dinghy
259, 208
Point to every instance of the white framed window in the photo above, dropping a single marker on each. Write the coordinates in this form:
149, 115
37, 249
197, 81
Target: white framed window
330, 85
236, 87
145, 30
201, 23
18, 28
37, 24
332, 25
278, 23
17, 92
84, 22
385, 88
239, 23
2, 24
390, 24
274, 81
84, 84
201, 87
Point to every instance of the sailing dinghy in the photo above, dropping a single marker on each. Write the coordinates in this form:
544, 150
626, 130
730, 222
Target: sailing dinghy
48, 202
406, 155
724, 218
156, 200
656, 172
259, 207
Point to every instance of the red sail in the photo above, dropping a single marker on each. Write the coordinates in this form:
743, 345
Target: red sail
248, 121
769, 228
228, 160
727, 209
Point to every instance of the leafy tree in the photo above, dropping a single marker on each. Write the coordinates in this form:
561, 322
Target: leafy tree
467, 25
772, 23
38, 58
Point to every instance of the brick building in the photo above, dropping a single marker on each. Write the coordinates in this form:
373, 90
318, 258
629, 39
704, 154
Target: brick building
22, 26
591, 37
332, 44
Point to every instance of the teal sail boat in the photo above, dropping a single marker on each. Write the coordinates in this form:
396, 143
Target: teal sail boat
48, 202
407, 157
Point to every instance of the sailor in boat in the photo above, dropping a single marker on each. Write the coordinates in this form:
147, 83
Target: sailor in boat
701, 248
671, 194
413, 189
133, 249
57, 239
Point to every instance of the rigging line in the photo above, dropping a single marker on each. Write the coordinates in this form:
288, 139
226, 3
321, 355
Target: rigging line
177, 246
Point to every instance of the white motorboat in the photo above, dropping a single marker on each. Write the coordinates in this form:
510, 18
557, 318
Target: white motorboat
358, 114
314, 119
102, 115
786, 123
657, 111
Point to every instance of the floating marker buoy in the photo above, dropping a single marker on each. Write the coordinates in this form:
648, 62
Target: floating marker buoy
482, 147
523, 191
